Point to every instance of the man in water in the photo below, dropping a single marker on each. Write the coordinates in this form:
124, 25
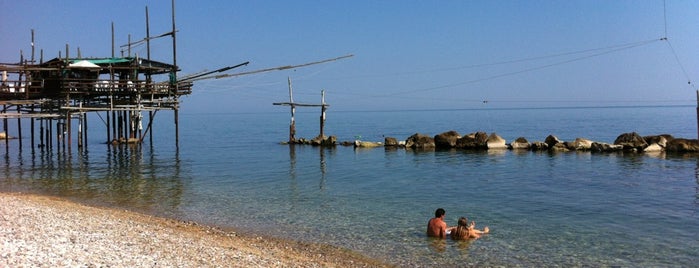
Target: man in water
436, 227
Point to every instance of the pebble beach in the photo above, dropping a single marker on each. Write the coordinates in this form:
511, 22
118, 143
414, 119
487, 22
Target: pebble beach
42, 231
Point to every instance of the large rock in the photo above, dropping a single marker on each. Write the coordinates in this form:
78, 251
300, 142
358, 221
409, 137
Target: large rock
520, 143
654, 147
478, 140
551, 141
419, 141
324, 141
330, 141
539, 146
496, 142
580, 144
605, 147
390, 141
682, 146
366, 144
446, 140
659, 139
631, 142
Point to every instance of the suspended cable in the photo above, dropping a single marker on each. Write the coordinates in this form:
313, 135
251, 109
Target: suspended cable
623, 46
616, 48
686, 75
272, 69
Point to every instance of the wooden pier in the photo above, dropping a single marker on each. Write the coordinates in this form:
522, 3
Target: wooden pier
58, 95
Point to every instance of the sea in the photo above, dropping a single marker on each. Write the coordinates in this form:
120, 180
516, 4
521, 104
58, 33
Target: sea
232, 170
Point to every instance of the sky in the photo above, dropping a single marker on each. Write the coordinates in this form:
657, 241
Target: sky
407, 55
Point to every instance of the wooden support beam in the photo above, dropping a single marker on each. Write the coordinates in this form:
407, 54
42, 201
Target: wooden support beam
292, 104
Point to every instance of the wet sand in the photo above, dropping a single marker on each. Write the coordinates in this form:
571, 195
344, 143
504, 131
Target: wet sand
40, 231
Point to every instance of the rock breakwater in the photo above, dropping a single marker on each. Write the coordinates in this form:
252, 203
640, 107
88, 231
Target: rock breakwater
625, 142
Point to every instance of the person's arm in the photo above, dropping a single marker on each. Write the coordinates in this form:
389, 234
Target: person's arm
443, 230
479, 232
473, 227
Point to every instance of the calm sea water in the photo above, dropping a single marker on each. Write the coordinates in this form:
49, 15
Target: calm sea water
544, 209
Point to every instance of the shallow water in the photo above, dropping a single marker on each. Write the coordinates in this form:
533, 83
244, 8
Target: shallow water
564, 209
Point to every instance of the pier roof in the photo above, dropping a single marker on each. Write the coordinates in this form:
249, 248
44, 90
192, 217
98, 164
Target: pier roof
154, 67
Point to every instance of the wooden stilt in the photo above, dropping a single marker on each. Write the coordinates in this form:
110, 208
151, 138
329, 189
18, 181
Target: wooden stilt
177, 129
68, 131
322, 113
19, 127
292, 104
80, 132
292, 124
31, 129
85, 131
4, 127
107, 127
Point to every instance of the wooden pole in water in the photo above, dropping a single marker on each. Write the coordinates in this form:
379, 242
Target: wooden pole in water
114, 125
27, 95
4, 127
58, 134
148, 78
42, 144
85, 130
174, 63
697, 114
49, 131
292, 124
322, 113
31, 126
80, 131
19, 124
68, 132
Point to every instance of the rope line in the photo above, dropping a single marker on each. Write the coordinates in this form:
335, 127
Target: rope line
677, 58
615, 49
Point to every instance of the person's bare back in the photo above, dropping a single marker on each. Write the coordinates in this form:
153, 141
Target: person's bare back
436, 227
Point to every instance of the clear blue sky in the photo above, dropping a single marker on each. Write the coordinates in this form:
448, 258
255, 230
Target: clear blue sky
408, 54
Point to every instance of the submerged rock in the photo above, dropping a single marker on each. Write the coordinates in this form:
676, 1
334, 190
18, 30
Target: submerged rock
559, 147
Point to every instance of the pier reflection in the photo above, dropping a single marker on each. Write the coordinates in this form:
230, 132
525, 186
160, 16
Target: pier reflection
696, 189
296, 193
119, 176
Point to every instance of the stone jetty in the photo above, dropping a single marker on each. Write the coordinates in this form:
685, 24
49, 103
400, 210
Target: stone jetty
626, 142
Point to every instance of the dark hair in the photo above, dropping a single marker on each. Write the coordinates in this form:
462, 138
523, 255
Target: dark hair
439, 212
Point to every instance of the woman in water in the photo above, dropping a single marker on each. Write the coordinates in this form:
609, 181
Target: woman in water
464, 230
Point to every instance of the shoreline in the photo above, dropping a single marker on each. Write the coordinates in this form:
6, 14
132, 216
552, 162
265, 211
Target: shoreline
46, 231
